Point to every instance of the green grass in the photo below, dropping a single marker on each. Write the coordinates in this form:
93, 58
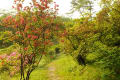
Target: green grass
66, 69
8, 50
39, 74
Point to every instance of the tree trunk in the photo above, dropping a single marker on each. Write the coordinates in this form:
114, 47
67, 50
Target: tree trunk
81, 60
22, 69
28, 75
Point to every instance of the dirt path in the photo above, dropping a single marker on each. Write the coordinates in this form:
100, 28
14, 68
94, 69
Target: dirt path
52, 73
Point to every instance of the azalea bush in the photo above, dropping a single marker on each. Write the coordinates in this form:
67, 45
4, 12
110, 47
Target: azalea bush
34, 27
10, 63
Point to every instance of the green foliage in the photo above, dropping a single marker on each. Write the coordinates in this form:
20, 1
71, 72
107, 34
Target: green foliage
9, 49
97, 41
4, 39
84, 7
77, 4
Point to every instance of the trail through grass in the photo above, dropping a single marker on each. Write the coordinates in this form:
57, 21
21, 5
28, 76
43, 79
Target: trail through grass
67, 69
63, 68
52, 73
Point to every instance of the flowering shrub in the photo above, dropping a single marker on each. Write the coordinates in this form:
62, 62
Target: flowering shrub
10, 62
35, 26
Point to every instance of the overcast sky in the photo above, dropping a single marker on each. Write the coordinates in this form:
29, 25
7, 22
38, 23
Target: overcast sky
64, 7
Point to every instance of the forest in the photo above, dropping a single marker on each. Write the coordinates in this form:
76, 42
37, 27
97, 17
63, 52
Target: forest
38, 44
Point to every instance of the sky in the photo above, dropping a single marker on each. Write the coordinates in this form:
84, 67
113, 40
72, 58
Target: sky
64, 7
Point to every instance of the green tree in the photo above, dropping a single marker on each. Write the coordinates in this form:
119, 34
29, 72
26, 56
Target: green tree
82, 6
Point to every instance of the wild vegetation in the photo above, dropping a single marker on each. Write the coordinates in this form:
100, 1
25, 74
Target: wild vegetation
37, 44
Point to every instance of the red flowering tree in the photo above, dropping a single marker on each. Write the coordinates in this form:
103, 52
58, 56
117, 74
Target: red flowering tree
34, 27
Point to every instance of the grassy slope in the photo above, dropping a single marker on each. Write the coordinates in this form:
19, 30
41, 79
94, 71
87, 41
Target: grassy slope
66, 68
